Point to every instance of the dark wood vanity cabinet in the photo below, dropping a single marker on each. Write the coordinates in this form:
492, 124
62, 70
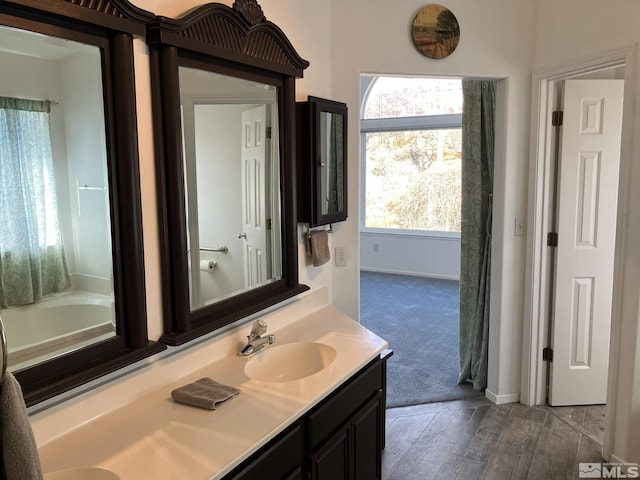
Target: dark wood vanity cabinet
321, 146
345, 431
282, 458
353, 452
340, 439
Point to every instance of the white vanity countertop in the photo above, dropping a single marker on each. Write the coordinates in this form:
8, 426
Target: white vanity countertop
155, 437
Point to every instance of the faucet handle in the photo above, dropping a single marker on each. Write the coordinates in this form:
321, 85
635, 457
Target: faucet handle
258, 328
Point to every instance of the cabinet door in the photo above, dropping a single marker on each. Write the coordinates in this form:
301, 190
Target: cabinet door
331, 462
279, 461
322, 161
366, 437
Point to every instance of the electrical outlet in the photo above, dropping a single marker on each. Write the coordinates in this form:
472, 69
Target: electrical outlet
341, 257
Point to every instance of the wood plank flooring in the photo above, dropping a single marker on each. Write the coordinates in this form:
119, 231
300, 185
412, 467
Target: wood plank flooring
475, 439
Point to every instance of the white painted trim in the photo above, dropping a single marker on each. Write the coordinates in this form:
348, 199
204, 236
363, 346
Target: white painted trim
388, 232
626, 160
413, 274
502, 399
533, 379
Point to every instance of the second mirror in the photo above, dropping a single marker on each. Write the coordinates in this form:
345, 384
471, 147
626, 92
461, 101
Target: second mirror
232, 172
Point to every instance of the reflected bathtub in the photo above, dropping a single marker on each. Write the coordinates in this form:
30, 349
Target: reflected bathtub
56, 325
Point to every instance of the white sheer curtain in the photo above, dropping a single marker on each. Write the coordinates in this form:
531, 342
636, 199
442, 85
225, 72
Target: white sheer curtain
32, 262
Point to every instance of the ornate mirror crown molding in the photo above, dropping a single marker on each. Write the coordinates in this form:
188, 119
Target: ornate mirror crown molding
240, 34
120, 15
250, 10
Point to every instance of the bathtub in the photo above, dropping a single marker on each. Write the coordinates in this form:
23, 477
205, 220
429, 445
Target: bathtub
56, 325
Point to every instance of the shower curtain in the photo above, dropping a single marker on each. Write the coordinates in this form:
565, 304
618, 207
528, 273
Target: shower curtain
478, 132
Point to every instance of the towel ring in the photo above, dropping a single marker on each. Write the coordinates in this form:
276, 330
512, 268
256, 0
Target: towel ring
3, 347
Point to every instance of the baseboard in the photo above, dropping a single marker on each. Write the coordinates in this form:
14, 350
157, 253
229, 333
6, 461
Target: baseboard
502, 399
412, 274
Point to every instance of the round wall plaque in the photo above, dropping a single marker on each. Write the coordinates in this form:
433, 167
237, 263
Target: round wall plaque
435, 31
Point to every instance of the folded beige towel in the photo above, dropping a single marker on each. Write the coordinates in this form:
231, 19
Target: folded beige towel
319, 247
204, 393
20, 460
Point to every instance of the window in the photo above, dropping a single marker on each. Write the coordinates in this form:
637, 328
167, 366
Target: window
411, 143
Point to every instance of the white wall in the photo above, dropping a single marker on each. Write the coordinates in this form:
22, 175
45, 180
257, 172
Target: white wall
219, 175
567, 36
426, 256
81, 102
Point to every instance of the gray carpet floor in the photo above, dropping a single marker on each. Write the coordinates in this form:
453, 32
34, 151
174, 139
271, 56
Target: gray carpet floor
419, 317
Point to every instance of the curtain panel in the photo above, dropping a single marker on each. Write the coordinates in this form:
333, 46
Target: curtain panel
478, 141
32, 261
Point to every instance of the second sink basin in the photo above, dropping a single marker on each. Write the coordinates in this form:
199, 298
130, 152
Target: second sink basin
291, 361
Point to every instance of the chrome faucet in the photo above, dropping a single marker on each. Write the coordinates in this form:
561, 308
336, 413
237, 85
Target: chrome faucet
255, 339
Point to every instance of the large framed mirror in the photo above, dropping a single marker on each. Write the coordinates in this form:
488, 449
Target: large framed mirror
223, 82
72, 295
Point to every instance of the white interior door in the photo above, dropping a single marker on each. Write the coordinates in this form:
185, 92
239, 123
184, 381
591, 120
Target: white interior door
254, 207
587, 206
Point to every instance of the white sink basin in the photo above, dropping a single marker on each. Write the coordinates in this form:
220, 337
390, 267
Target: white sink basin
89, 473
291, 361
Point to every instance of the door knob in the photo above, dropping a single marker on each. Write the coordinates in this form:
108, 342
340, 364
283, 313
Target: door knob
242, 235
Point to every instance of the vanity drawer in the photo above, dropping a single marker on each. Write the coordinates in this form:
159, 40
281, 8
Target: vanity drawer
341, 406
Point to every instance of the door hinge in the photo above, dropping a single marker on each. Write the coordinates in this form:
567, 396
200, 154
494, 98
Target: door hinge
268, 132
268, 224
552, 239
556, 118
547, 354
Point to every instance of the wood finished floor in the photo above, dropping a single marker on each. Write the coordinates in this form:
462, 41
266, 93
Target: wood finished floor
475, 439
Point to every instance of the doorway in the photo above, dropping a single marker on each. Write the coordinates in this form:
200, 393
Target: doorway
539, 282
410, 230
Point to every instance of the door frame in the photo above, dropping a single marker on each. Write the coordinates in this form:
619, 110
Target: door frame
541, 183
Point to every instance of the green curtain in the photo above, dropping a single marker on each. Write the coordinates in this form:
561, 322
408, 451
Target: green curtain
478, 140
32, 261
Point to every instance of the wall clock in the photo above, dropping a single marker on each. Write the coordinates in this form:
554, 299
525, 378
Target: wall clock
435, 31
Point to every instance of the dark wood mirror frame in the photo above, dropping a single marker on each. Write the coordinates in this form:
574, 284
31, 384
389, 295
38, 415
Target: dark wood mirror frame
236, 41
112, 23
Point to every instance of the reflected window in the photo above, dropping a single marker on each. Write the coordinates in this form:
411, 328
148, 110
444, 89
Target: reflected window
56, 263
32, 258
412, 146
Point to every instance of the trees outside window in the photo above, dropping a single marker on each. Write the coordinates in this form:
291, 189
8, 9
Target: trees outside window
412, 154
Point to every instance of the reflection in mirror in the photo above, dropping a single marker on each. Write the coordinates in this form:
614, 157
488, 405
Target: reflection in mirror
232, 176
56, 289
332, 149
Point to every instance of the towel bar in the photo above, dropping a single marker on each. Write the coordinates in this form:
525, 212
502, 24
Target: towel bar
222, 249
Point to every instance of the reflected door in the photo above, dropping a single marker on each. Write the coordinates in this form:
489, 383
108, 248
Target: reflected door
254, 236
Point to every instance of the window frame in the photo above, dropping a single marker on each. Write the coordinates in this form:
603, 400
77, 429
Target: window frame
400, 124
